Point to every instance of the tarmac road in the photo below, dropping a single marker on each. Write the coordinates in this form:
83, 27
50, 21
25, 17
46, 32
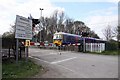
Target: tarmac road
71, 64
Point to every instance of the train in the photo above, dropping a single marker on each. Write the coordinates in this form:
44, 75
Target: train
87, 43
62, 38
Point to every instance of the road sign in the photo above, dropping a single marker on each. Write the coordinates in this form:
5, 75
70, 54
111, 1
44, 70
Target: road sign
27, 43
23, 28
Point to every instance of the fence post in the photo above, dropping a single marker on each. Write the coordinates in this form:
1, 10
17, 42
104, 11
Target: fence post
9, 52
20, 53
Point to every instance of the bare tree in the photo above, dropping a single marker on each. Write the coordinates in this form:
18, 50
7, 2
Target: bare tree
108, 33
116, 32
69, 25
118, 37
12, 29
61, 18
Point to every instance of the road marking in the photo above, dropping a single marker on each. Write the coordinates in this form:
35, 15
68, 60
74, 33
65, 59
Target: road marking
59, 65
52, 53
66, 68
62, 60
39, 59
75, 72
45, 55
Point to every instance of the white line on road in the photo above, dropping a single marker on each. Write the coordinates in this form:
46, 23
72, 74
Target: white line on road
62, 60
45, 55
39, 59
52, 53
82, 75
59, 65
66, 68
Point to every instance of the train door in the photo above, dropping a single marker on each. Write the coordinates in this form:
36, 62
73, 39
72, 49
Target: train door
80, 47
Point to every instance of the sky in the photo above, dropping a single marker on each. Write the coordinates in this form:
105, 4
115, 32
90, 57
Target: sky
96, 14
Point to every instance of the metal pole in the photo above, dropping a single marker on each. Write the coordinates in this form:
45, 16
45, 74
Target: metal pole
40, 28
41, 12
26, 51
41, 18
17, 50
84, 44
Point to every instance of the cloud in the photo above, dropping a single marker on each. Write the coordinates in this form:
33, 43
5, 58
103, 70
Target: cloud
9, 10
115, 1
109, 11
101, 19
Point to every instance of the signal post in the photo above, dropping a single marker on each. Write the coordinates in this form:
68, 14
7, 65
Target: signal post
27, 44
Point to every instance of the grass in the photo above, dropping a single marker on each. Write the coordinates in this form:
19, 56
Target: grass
21, 70
110, 52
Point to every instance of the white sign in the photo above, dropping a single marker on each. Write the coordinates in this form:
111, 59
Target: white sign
23, 28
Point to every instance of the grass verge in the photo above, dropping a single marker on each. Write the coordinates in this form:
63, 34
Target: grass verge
21, 70
110, 52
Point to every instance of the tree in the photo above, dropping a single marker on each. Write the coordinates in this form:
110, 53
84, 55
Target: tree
6, 34
116, 32
12, 29
93, 34
59, 22
68, 25
61, 18
108, 33
78, 27
54, 23
67, 22
11, 33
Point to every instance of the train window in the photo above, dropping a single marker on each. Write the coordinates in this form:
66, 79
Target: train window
57, 36
64, 38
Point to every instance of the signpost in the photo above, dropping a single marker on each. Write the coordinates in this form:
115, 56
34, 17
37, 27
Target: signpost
23, 30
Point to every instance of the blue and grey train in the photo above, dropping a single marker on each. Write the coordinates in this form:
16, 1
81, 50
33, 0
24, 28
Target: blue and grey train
62, 38
83, 43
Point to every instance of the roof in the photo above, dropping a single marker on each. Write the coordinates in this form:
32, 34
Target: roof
68, 34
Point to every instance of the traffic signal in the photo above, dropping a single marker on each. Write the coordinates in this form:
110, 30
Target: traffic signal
35, 21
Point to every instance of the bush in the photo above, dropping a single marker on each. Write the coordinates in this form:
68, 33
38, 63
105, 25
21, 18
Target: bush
111, 45
8, 42
111, 52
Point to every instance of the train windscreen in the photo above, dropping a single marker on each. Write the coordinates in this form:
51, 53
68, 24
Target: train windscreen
57, 36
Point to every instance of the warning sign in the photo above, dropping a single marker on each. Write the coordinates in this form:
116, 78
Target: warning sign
27, 43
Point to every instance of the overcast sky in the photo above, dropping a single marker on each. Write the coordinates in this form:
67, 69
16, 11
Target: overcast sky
96, 14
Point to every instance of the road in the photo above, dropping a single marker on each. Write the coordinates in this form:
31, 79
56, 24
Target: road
71, 64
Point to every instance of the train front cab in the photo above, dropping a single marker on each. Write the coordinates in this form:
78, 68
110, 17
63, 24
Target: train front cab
57, 39
57, 42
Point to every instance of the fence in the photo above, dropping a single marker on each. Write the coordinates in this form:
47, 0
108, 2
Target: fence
95, 47
9, 47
